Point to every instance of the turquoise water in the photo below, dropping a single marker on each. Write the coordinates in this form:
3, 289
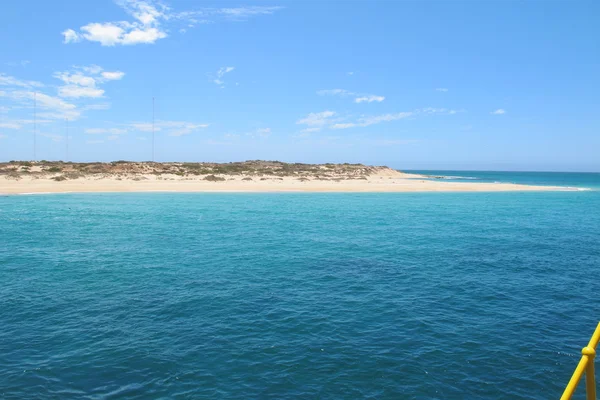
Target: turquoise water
572, 179
331, 296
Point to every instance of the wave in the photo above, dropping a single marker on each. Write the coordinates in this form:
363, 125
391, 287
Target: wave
454, 177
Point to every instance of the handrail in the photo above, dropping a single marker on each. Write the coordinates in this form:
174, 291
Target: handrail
586, 364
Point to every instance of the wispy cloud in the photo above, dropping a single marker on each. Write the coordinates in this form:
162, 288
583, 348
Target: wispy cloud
22, 63
220, 73
258, 133
10, 125
51, 107
94, 141
317, 120
99, 106
441, 89
335, 92
369, 99
99, 131
7, 80
54, 137
150, 20
358, 97
172, 128
144, 28
394, 142
367, 121
20, 123
84, 81
310, 130
499, 111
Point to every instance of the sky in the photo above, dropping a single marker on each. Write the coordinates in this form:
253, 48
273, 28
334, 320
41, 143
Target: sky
489, 85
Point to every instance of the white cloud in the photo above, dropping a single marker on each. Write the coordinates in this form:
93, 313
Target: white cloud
394, 142
499, 111
185, 128
317, 119
149, 20
172, 128
433, 110
310, 130
91, 69
223, 70
145, 29
94, 141
7, 80
3, 136
22, 63
79, 91
113, 137
78, 84
145, 35
70, 36
350, 73
45, 101
385, 118
376, 119
360, 97
18, 123
55, 138
75, 79
367, 121
113, 76
220, 73
441, 89
106, 34
245, 12
260, 133
10, 125
99, 106
99, 131
144, 127
335, 92
369, 99
264, 131
343, 126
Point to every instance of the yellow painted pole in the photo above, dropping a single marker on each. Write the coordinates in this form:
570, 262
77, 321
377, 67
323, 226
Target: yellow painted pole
590, 375
572, 385
586, 364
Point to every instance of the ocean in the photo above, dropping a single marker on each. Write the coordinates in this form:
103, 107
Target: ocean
299, 295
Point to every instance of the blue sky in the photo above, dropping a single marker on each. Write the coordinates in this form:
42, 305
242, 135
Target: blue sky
418, 85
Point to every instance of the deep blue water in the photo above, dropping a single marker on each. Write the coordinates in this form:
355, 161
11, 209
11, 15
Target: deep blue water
330, 296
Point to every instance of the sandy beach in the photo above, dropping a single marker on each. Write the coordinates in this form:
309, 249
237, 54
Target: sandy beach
380, 182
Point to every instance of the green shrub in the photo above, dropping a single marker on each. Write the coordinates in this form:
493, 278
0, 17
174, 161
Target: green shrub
213, 178
13, 175
59, 178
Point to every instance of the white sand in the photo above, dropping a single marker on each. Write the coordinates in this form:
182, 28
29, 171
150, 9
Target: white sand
382, 182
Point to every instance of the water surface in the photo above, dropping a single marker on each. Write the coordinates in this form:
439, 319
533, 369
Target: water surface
387, 296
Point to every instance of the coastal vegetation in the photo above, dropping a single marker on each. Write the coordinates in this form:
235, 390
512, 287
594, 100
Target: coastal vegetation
214, 172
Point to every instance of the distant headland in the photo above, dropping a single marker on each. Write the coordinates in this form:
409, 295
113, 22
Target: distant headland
246, 176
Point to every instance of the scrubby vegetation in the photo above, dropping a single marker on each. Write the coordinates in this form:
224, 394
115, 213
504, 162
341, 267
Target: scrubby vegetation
214, 172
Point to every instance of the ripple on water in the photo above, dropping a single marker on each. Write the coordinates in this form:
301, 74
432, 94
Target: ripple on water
295, 295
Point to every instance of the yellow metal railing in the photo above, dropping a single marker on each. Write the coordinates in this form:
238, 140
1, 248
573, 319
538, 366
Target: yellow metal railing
586, 365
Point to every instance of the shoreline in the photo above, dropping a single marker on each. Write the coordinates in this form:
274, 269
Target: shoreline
375, 184
22, 177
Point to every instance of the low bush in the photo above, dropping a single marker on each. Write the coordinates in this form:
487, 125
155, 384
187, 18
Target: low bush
213, 178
